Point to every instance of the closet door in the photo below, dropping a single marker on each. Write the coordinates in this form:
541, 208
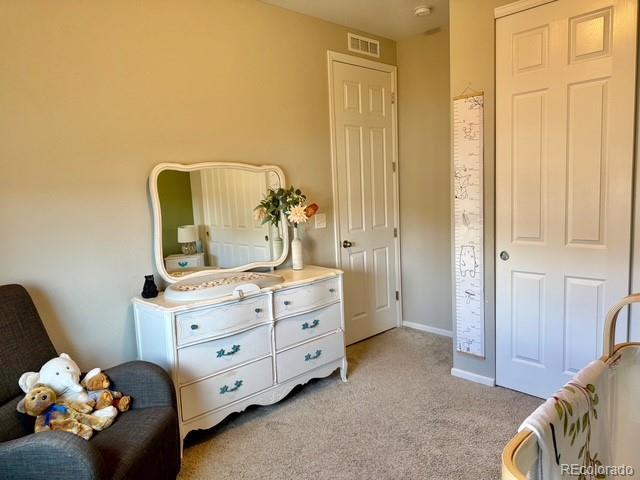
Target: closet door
565, 82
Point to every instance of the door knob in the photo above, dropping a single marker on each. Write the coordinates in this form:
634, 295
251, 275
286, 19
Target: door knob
504, 255
347, 244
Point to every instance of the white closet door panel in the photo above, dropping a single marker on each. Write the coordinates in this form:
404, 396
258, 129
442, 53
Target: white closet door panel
565, 79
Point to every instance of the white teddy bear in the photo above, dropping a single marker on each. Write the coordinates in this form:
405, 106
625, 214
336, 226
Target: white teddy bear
62, 375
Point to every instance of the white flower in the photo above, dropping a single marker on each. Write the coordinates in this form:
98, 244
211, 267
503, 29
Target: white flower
296, 214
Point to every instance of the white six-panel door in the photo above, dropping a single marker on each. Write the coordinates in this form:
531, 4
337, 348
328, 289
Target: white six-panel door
234, 236
565, 83
364, 154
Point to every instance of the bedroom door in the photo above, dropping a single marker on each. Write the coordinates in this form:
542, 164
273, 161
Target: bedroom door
363, 135
565, 83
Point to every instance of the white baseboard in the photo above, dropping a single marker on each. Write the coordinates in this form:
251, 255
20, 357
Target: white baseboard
427, 328
474, 377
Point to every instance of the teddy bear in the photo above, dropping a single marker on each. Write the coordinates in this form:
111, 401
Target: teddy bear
97, 384
41, 402
62, 375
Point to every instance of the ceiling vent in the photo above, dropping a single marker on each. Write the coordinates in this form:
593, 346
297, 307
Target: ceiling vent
364, 45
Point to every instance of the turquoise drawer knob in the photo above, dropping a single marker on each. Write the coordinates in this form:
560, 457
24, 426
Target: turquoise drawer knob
309, 357
332, 290
194, 327
226, 389
223, 353
258, 310
287, 302
183, 264
314, 324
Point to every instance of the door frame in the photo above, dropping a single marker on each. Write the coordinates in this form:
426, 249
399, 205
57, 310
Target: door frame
393, 70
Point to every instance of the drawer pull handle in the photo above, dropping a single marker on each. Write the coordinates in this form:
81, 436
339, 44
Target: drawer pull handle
258, 310
314, 324
225, 389
183, 264
332, 290
194, 327
222, 353
287, 302
308, 356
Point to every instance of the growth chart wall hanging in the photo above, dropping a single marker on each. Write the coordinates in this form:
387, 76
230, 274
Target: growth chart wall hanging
468, 226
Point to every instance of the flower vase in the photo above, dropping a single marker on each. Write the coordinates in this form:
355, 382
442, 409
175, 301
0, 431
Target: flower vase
296, 251
277, 245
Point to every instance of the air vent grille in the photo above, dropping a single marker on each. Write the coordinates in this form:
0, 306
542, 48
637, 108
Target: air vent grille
364, 45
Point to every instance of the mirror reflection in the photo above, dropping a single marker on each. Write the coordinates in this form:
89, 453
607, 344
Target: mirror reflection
209, 220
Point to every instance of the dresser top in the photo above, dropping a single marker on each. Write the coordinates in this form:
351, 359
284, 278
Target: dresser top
292, 278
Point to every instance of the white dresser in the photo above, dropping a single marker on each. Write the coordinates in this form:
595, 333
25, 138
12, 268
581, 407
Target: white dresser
226, 354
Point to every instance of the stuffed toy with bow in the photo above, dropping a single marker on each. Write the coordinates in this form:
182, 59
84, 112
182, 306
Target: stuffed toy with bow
40, 402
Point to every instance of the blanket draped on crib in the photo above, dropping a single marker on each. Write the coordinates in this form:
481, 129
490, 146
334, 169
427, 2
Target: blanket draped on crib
590, 428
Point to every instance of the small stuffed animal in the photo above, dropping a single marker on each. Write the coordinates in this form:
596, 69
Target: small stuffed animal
40, 402
62, 375
97, 384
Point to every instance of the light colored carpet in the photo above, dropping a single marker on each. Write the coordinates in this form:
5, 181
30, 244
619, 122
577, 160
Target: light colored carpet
401, 415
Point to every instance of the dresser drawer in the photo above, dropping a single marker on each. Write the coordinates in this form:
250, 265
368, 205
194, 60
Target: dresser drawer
303, 327
218, 391
196, 361
206, 322
308, 356
182, 262
306, 297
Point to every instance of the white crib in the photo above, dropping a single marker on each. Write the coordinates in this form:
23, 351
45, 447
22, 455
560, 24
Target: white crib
520, 456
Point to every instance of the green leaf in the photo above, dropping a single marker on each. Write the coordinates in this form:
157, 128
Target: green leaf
596, 399
585, 420
591, 388
565, 425
595, 414
569, 408
572, 428
558, 410
581, 452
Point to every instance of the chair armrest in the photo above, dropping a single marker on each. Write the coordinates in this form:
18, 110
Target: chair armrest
147, 383
61, 454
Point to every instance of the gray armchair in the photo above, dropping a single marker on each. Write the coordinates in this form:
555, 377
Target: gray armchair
142, 443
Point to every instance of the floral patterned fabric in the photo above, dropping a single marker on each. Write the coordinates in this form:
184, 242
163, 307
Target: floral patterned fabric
590, 428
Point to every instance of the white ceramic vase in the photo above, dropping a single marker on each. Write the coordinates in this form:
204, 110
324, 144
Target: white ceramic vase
277, 245
296, 251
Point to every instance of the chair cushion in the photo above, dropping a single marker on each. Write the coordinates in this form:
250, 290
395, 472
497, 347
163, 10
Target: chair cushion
141, 443
24, 345
12, 423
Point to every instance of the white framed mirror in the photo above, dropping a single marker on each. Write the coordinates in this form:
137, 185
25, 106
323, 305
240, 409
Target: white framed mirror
204, 219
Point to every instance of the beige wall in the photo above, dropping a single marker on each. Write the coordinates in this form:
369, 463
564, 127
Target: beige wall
94, 94
423, 130
471, 24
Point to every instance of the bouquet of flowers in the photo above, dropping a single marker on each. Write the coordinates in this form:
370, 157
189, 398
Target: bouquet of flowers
290, 201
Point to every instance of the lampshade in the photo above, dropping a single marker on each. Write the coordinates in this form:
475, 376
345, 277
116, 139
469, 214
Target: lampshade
187, 234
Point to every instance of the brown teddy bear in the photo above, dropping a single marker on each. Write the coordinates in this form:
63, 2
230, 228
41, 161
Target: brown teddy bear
40, 402
97, 385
